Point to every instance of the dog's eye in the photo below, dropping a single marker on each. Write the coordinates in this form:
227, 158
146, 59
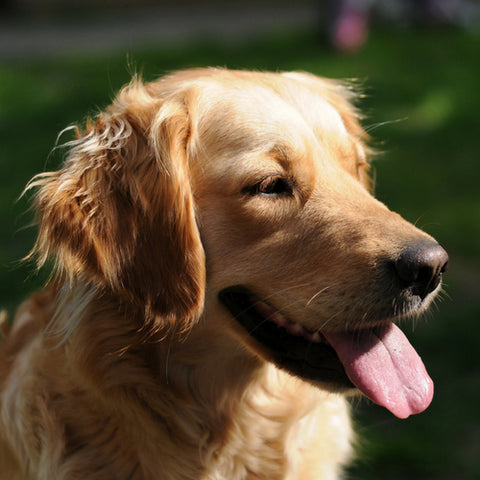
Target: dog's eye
273, 185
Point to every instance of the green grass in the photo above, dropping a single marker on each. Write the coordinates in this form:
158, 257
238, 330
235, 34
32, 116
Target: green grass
422, 101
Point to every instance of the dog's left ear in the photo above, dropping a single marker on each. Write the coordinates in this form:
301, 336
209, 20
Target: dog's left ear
120, 213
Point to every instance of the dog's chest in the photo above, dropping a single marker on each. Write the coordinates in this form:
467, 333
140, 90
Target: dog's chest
285, 430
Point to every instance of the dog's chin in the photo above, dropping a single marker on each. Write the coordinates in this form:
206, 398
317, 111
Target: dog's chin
288, 345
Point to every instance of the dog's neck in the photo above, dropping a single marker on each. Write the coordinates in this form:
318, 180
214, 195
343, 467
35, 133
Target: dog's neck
227, 406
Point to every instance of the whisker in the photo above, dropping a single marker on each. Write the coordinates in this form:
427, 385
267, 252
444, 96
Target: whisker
279, 292
328, 320
374, 126
444, 292
286, 289
320, 292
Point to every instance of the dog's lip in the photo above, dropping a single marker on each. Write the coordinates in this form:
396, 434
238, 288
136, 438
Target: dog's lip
289, 345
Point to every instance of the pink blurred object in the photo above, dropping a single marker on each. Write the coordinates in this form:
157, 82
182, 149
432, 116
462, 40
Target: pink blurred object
351, 30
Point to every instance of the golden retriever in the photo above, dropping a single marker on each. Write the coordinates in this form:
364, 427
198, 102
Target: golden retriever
223, 279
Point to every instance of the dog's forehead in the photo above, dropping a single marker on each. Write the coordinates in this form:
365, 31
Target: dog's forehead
250, 114
252, 128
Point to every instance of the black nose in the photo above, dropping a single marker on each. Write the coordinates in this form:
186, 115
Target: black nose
420, 266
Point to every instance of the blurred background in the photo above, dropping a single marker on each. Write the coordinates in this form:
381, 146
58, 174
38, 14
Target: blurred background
419, 66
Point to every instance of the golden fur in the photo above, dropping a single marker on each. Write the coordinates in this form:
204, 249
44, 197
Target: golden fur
127, 366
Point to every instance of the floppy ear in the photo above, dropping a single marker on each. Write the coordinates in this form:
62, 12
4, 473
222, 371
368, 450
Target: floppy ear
120, 213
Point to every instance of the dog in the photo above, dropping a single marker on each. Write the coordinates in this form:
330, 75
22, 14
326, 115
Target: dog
223, 280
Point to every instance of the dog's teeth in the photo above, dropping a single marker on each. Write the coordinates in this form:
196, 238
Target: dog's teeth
263, 309
280, 320
315, 337
291, 327
296, 329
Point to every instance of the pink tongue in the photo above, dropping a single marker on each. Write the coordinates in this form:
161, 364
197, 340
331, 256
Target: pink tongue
386, 368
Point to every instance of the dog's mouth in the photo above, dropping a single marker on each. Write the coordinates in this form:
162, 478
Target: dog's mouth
379, 361
294, 348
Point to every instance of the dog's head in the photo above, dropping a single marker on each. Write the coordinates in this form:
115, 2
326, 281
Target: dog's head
268, 175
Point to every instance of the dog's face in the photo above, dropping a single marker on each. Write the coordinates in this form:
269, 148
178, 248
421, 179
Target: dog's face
296, 246
254, 188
